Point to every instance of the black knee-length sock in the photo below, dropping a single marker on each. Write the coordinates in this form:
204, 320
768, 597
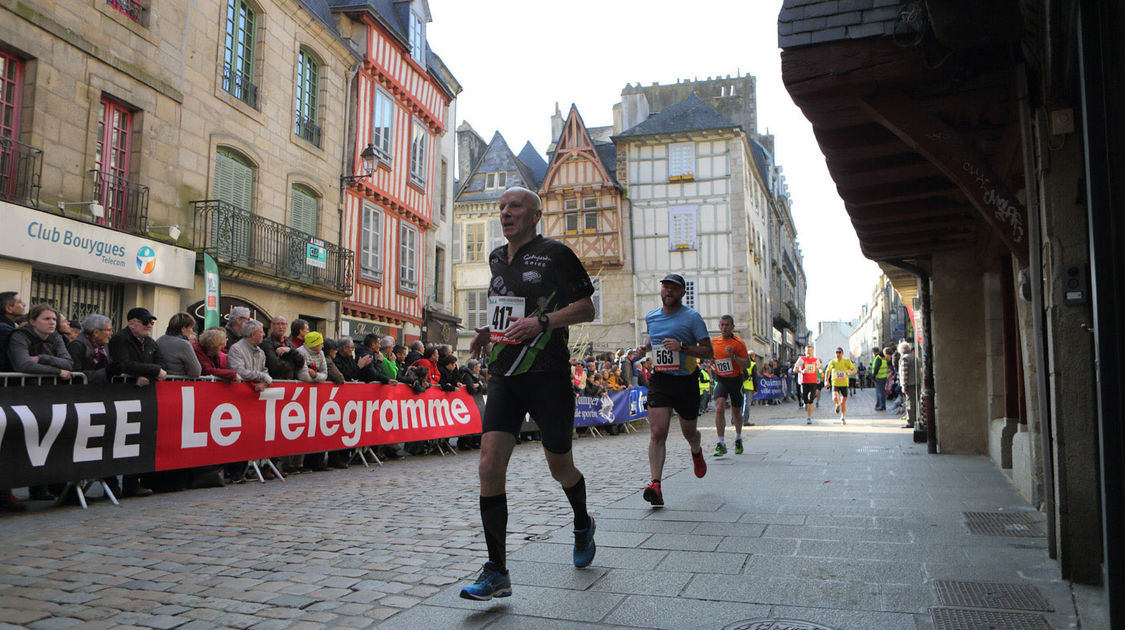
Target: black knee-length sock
577, 496
494, 517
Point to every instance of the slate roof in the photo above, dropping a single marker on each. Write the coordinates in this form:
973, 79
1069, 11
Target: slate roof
534, 162
607, 153
497, 157
762, 160
690, 114
806, 22
395, 16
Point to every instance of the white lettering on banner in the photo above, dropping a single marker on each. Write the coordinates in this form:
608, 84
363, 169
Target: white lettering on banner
82, 450
37, 450
86, 430
189, 438
330, 413
413, 414
225, 416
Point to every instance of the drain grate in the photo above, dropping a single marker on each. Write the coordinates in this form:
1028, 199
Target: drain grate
959, 619
991, 595
774, 624
1004, 524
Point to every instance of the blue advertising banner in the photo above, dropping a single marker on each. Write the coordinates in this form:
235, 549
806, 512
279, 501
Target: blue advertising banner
619, 407
769, 388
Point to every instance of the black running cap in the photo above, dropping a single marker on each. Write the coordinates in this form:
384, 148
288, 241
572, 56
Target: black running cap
675, 278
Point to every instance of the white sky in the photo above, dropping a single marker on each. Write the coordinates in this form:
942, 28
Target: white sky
516, 58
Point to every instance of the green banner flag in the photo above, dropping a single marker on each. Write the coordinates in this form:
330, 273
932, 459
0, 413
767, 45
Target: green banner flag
211, 292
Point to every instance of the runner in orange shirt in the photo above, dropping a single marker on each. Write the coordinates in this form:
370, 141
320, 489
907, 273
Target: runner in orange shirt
808, 368
731, 363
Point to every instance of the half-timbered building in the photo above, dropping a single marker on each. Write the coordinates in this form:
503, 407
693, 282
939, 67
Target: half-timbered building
401, 101
584, 208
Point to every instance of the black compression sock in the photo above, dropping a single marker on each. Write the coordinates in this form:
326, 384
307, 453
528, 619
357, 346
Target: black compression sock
494, 517
577, 496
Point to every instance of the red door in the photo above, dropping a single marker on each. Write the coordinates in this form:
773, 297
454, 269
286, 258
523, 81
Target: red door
115, 124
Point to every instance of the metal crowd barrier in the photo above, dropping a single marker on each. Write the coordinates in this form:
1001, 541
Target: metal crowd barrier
27, 378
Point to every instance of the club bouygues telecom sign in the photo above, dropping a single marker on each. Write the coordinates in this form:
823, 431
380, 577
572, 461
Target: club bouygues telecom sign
51, 239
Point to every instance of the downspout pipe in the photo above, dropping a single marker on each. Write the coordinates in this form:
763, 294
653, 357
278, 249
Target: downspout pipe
346, 145
929, 396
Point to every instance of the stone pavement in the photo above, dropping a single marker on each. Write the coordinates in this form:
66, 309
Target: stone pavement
845, 527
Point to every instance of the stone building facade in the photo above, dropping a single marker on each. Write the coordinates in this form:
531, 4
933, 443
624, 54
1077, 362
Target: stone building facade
206, 130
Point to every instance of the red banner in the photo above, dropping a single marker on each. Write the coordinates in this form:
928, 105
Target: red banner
214, 423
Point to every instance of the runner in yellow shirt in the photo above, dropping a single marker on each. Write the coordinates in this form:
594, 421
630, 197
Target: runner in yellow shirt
838, 370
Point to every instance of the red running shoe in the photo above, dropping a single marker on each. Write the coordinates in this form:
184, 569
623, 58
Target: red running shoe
699, 463
653, 495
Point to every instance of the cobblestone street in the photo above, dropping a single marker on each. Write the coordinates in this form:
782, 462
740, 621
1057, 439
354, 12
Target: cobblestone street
845, 526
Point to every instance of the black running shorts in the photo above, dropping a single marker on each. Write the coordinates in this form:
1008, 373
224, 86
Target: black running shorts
808, 392
842, 389
547, 396
681, 393
729, 388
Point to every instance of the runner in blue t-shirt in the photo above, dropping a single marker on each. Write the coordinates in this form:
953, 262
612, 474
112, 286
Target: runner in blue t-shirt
678, 338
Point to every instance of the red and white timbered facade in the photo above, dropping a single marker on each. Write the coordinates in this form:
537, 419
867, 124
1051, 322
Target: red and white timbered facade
400, 109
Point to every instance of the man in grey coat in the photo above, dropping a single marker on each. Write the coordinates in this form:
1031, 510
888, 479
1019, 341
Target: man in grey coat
247, 359
908, 380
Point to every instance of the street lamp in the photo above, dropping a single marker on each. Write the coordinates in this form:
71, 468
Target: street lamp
368, 157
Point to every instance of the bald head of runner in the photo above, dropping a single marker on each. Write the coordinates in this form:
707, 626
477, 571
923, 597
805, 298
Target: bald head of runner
520, 210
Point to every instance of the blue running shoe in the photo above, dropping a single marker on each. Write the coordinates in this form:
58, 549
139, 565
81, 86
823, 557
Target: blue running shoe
584, 547
490, 583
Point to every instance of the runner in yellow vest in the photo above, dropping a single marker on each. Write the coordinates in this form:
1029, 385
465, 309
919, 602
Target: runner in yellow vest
838, 370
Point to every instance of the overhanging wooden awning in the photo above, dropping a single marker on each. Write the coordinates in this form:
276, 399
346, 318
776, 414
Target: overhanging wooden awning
924, 152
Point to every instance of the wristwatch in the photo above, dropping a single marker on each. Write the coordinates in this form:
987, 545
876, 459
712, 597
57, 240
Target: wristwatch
544, 322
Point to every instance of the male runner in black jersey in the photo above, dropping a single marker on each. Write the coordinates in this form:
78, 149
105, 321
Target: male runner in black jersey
538, 288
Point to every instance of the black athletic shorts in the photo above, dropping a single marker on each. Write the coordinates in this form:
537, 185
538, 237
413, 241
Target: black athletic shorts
729, 387
843, 389
681, 393
547, 396
808, 392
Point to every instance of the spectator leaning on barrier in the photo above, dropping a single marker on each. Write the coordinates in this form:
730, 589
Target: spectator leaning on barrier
388, 362
12, 310
36, 347
212, 360
90, 352
175, 347
429, 361
318, 369
346, 362
238, 316
297, 331
69, 333
417, 350
247, 359
281, 362
134, 348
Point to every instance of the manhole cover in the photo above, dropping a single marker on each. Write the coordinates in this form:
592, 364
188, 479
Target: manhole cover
1004, 524
537, 537
775, 624
959, 619
991, 595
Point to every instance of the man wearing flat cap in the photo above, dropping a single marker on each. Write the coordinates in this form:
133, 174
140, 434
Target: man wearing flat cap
134, 348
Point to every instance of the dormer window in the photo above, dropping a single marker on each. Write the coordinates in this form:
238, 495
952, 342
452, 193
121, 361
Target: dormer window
418, 39
496, 180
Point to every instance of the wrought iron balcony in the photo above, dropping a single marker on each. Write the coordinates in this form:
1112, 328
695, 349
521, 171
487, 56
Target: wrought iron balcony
236, 237
131, 8
308, 129
240, 86
21, 166
125, 203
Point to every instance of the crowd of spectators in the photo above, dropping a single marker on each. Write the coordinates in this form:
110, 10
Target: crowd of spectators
41, 341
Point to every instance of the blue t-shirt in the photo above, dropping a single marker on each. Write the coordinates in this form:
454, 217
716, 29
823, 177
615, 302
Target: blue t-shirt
686, 326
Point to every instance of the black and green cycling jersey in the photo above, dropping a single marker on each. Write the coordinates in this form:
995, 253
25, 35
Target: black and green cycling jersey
548, 276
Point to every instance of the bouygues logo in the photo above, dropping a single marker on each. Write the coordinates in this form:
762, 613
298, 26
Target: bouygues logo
146, 260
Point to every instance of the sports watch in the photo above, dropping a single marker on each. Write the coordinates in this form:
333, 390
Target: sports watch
544, 322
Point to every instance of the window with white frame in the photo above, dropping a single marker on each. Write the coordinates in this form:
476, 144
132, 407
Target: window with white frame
681, 227
689, 293
382, 124
681, 160
596, 298
590, 202
476, 309
417, 38
570, 222
419, 144
570, 204
371, 243
496, 180
408, 258
590, 222
474, 242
